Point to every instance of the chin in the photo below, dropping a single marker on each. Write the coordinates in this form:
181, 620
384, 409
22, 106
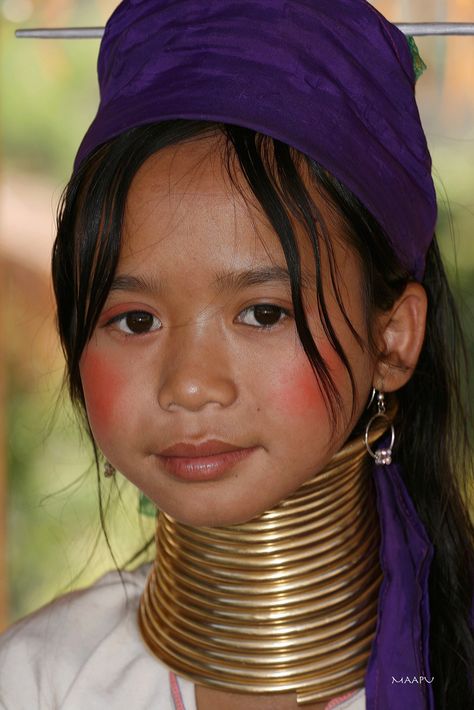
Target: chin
206, 518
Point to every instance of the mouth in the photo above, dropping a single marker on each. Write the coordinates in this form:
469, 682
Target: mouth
210, 447
202, 462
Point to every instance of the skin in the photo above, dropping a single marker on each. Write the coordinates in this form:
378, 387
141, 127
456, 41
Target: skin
207, 370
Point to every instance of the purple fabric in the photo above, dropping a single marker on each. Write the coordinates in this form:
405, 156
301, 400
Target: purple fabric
333, 78
400, 649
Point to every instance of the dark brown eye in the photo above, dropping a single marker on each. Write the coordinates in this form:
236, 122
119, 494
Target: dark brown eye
266, 314
139, 322
136, 322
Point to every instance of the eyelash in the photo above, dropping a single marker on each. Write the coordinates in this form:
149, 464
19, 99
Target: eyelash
122, 316
282, 310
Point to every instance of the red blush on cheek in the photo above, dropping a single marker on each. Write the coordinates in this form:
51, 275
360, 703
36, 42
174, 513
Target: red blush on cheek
102, 384
299, 393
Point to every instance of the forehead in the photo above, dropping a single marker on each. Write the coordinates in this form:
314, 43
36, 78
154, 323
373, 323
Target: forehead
183, 206
186, 187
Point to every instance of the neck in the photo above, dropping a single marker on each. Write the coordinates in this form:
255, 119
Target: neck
285, 602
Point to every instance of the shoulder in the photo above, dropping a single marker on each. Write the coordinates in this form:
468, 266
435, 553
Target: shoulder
80, 643
79, 617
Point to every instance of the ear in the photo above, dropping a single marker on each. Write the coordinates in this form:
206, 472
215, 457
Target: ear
401, 336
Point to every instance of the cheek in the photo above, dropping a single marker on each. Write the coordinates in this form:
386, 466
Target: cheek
298, 393
306, 395
103, 384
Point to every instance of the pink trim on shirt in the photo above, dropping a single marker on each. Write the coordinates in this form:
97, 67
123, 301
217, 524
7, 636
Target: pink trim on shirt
176, 692
335, 701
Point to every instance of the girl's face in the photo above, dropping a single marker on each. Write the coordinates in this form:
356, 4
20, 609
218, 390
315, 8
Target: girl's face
181, 354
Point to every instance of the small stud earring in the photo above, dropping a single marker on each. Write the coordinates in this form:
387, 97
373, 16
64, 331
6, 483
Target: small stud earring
109, 470
382, 456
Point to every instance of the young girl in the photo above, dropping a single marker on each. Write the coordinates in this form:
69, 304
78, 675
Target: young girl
253, 308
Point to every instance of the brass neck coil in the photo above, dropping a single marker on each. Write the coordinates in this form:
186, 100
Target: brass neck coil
285, 602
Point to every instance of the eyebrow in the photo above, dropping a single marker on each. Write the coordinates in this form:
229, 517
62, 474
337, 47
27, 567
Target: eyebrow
238, 280
224, 280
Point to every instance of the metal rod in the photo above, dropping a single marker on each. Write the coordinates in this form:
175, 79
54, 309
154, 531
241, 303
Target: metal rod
425, 29
429, 29
62, 33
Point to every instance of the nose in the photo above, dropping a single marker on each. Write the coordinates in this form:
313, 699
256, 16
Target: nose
196, 369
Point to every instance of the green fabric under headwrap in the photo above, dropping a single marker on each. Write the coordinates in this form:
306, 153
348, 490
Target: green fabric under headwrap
418, 64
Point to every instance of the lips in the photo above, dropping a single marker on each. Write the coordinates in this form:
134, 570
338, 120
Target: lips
207, 461
206, 448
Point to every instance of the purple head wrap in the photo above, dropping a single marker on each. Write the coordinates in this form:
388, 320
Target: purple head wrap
332, 78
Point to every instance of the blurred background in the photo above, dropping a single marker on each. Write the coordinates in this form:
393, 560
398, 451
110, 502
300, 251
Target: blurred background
50, 535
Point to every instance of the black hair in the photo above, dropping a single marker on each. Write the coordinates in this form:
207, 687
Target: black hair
433, 437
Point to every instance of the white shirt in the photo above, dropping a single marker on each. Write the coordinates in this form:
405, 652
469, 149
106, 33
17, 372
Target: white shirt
85, 651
